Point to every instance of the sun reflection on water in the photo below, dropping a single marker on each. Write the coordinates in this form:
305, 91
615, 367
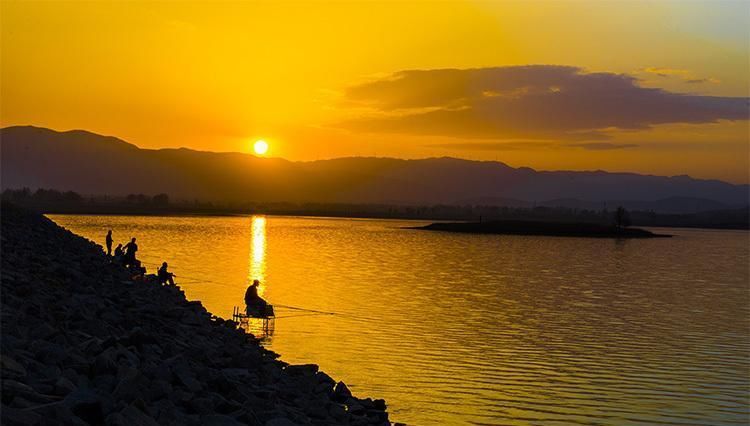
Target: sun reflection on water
258, 253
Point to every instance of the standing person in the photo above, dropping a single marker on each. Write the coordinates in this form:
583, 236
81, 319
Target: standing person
165, 276
130, 249
109, 243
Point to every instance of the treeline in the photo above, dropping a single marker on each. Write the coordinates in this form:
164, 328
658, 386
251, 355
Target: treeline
41, 196
52, 201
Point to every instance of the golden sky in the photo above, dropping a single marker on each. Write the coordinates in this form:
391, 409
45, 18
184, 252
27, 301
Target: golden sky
649, 87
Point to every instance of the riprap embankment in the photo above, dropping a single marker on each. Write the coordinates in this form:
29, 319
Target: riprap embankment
82, 343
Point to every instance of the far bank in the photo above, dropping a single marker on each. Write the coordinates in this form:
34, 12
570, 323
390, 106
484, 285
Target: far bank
56, 202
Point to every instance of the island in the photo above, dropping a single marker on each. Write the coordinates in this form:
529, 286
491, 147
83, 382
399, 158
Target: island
552, 229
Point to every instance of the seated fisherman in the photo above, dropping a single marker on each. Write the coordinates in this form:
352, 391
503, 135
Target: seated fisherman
256, 306
165, 276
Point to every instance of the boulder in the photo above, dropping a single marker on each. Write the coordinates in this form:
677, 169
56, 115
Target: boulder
130, 384
63, 386
15, 417
185, 377
316, 410
280, 421
379, 404
87, 405
202, 405
11, 369
341, 392
357, 409
219, 420
105, 363
131, 416
325, 378
13, 387
337, 411
302, 370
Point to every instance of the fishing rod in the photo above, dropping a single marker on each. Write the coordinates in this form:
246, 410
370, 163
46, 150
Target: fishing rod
296, 316
194, 280
296, 308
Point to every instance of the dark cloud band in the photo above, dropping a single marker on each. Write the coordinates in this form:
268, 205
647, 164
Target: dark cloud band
532, 102
531, 146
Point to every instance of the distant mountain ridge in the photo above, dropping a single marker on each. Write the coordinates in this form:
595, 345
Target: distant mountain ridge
93, 164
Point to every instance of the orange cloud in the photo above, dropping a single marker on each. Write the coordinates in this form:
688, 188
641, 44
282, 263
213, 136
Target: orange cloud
684, 75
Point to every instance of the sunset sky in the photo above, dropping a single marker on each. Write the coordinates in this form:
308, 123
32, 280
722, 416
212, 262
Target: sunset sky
649, 87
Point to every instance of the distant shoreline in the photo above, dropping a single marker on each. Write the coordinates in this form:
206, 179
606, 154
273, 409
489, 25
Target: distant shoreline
336, 215
547, 229
55, 202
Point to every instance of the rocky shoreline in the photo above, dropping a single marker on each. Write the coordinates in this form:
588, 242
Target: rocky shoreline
84, 344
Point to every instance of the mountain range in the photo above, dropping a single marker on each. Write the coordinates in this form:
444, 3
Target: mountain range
93, 164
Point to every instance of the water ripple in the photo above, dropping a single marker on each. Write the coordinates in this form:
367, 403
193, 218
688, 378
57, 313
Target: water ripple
485, 330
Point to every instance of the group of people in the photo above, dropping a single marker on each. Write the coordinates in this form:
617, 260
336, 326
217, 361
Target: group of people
126, 255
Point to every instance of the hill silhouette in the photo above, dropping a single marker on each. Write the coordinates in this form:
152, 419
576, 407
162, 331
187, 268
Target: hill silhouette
93, 164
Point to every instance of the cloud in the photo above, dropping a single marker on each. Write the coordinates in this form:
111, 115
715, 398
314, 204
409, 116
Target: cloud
681, 74
702, 80
666, 72
525, 102
603, 146
531, 146
497, 146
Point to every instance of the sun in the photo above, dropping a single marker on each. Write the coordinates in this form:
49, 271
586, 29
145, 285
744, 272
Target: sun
260, 147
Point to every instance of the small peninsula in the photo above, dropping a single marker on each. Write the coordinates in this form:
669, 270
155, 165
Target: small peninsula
551, 229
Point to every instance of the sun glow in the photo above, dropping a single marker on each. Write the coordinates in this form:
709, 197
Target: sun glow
260, 147
258, 252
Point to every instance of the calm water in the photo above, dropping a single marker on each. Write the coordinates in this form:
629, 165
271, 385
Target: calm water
466, 329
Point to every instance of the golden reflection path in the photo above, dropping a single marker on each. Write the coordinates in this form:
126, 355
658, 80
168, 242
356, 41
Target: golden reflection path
258, 253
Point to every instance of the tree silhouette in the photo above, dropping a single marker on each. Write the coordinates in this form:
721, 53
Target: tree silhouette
160, 199
622, 218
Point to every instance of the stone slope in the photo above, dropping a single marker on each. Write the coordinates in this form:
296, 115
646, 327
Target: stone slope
84, 344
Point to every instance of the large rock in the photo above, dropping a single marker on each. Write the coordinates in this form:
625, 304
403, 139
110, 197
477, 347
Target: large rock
11, 369
280, 422
131, 416
302, 370
131, 384
15, 417
341, 392
63, 386
87, 405
219, 420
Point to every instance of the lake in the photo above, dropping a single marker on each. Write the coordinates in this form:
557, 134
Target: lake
481, 329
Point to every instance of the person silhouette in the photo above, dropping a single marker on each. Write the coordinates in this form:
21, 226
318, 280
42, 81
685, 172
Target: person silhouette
164, 275
256, 306
130, 249
118, 251
109, 243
